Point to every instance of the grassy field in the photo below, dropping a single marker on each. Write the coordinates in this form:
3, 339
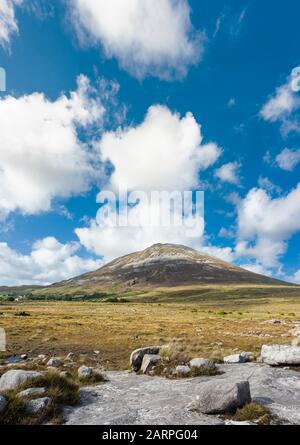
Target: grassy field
208, 323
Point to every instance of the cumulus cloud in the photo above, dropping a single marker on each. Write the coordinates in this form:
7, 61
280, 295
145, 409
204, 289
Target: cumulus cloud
229, 173
49, 262
8, 21
286, 100
165, 152
41, 154
288, 159
147, 37
265, 224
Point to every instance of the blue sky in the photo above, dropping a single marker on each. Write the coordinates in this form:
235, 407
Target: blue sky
229, 65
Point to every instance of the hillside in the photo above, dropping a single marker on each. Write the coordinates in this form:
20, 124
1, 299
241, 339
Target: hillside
161, 266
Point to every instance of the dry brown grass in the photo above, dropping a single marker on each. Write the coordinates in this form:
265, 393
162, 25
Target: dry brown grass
210, 328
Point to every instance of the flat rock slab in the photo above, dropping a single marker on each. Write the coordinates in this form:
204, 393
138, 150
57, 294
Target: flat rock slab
142, 400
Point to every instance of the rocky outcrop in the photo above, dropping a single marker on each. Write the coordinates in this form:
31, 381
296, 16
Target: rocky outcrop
128, 399
15, 378
136, 358
276, 355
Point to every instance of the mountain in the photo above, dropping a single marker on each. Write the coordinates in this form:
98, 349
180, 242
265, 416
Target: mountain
162, 266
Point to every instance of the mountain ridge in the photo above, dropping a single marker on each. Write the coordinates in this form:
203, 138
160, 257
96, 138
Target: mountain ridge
164, 265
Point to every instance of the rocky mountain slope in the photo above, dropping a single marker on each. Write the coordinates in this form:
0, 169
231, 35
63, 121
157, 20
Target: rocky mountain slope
163, 266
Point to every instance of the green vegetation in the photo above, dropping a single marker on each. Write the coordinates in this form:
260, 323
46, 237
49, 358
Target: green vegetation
62, 391
253, 412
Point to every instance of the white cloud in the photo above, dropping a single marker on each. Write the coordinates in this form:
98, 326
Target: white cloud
8, 22
266, 224
284, 103
41, 155
229, 173
223, 253
48, 262
165, 152
147, 37
258, 268
288, 159
268, 185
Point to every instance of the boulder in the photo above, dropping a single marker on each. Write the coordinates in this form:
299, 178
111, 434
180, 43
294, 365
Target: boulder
54, 362
32, 392
276, 355
38, 405
218, 397
149, 361
137, 356
3, 404
243, 357
15, 378
85, 373
182, 370
202, 363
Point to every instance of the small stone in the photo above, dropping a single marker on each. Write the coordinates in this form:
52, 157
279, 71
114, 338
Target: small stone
54, 362
202, 363
243, 357
3, 404
15, 378
182, 370
32, 392
85, 373
38, 405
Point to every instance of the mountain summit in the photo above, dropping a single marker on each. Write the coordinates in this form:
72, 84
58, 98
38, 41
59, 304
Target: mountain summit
165, 265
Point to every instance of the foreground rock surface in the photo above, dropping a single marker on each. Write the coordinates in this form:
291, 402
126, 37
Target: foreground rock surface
15, 378
221, 397
142, 400
276, 355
